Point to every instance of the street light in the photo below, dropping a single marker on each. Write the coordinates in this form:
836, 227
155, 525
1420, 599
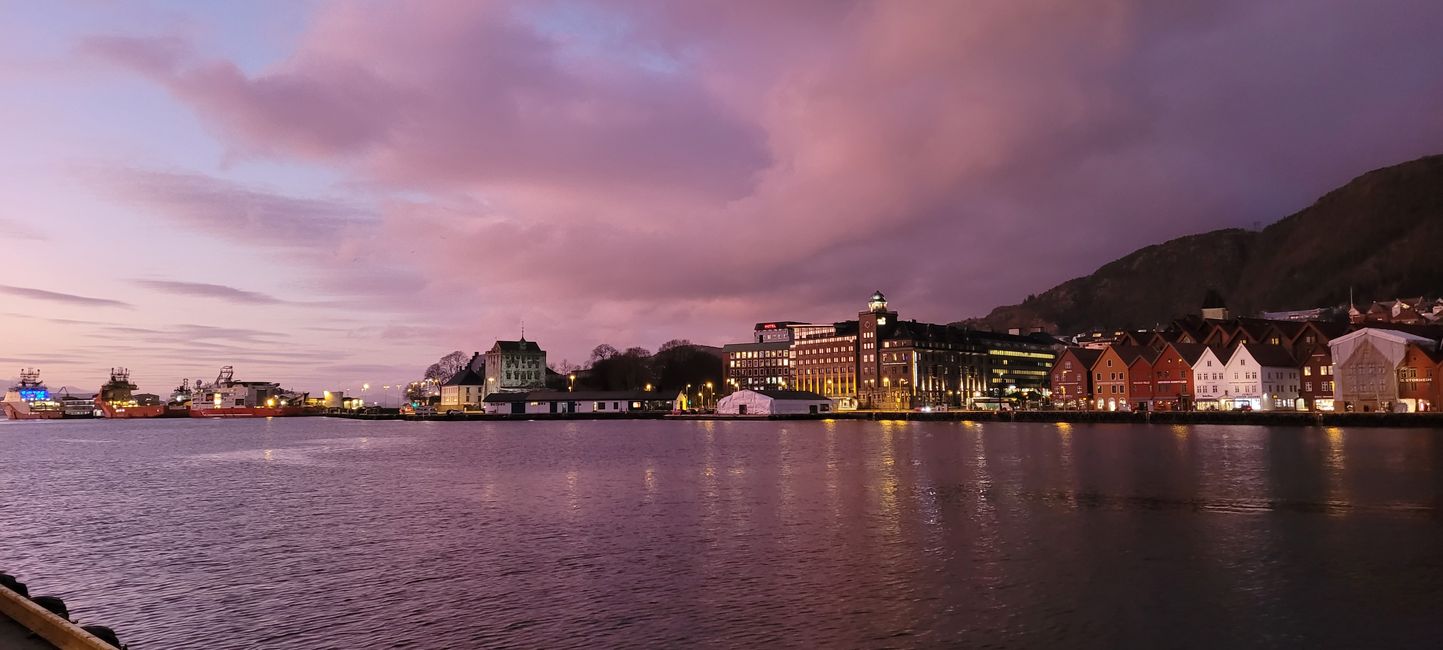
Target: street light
572, 379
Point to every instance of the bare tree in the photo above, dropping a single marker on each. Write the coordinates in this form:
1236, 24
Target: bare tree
603, 352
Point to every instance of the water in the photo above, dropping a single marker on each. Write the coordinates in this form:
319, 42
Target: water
319, 533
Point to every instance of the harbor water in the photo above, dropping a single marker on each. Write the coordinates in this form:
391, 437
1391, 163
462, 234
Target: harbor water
325, 533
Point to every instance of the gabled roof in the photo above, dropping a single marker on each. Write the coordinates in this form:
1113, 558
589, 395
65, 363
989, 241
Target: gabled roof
1270, 356
1131, 353
1433, 352
1394, 333
1190, 352
1086, 356
516, 346
467, 377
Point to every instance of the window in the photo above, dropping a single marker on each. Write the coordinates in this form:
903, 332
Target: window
1307, 371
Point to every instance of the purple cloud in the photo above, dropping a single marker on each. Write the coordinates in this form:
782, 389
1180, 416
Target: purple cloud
204, 290
62, 298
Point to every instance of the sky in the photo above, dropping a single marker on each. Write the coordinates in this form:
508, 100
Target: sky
335, 193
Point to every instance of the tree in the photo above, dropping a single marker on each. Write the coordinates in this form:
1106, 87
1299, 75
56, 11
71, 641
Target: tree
436, 374
443, 370
603, 352
675, 367
564, 367
673, 344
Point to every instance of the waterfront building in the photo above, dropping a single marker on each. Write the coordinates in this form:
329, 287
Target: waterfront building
1367, 362
765, 364
1111, 382
880, 361
464, 390
769, 359
1418, 377
826, 363
774, 402
1315, 363
515, 366
1172, 376
1208, 378
557, 402
1140, 386
1260, 377
1071, 378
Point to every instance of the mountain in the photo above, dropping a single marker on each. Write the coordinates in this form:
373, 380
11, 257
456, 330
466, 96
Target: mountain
1380, 234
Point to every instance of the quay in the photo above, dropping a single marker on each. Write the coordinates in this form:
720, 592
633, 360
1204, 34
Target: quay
43, 623
1254, 418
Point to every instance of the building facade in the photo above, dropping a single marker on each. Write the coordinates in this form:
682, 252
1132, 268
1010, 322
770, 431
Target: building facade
1261, 377
515, 366
465, 390
1072, 377
1367, 362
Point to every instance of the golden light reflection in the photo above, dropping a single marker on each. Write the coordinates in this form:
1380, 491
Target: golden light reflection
1336, 460
268, 456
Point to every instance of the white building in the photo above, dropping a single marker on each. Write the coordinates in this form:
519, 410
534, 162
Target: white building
1260, 377
549, 402
464, 391
774, 402
1210, 379
1365, 368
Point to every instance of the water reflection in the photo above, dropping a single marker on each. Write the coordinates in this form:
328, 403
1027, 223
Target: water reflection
320, 533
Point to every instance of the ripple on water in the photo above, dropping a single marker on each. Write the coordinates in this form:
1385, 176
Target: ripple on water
313, 533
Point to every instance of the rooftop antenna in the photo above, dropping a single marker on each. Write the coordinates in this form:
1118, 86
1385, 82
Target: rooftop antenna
523, 329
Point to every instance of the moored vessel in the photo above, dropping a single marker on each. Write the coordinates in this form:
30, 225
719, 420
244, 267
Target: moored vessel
29, 399
226, 397
118, 399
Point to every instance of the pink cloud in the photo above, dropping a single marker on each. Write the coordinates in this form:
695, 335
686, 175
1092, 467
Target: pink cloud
792, 157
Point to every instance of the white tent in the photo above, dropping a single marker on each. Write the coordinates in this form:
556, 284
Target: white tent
774, 402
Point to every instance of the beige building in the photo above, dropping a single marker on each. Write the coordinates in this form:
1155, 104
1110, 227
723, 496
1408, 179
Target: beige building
515, 366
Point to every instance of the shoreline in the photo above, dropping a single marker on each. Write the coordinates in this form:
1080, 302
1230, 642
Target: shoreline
1254, 418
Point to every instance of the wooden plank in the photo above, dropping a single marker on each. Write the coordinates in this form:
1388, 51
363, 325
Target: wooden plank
59, 632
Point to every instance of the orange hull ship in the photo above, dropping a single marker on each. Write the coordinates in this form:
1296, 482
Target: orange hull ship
117, 399
30, 399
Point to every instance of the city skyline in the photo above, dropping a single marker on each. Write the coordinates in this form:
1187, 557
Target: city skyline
326, 194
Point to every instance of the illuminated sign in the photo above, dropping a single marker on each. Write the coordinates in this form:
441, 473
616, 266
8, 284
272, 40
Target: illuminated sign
769, 326
35, 395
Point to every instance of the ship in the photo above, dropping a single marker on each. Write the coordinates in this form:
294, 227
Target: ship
30, 399
118, 399
228, 398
